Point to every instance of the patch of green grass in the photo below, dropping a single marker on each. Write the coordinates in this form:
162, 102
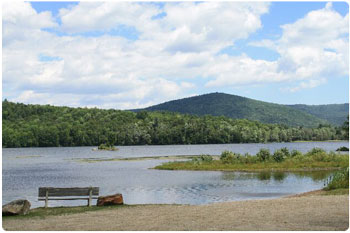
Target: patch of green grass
218, 166
54, 211
281, 160
340, 191
42, 212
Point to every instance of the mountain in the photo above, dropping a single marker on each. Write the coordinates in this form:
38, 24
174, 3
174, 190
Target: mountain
335, 114
237, 107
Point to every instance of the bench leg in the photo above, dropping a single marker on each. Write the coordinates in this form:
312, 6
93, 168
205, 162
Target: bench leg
47, 199
90, 197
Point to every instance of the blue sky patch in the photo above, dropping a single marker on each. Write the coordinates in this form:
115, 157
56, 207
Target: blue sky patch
45, 58
53, 7
159, 16
257, 53
127, 32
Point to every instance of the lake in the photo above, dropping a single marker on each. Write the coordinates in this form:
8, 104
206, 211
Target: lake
26, 169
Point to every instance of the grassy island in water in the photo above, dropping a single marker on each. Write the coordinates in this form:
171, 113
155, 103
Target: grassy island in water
107, 147
280, 160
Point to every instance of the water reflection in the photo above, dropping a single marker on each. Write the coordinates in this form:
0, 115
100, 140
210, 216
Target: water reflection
264, 175
228, 176
315, 175
278, 176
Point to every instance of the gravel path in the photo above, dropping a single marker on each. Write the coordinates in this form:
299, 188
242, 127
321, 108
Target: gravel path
309, 212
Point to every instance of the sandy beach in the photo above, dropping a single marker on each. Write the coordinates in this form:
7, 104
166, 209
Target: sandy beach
301, 212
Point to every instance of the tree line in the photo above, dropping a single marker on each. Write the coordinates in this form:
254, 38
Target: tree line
44, 125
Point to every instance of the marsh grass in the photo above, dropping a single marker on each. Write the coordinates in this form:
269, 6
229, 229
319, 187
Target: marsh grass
281, 160
340, 180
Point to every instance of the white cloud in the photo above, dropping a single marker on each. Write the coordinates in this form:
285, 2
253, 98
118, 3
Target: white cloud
103, 16
230, 71
317, 28
20, 21
187, 26
306, 85
170, 53
211, 25
102, 70
312, 48
23, 15
315, 45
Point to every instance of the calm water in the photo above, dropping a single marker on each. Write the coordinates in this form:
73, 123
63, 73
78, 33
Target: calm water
26, 169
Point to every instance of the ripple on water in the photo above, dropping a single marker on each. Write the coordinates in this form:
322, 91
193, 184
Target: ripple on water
140, 185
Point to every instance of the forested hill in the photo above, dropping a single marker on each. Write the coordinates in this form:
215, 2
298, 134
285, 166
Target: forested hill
37, 125
237, 107
333, 113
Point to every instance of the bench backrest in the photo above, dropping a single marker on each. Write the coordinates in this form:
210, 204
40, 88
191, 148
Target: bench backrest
63, 192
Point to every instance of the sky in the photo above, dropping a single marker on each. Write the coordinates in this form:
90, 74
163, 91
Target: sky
127, 55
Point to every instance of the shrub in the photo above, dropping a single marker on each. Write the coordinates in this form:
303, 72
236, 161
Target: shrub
206, 158
107, 146
318, 154
195, 160
230, 157
343, 148
295, 153
278, 156
202, 158
103, 146
315, 151
247, 158
285, 151
225, 155
339, 180
299, 157
263, 155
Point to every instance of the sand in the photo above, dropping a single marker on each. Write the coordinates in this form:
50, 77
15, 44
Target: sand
303, 212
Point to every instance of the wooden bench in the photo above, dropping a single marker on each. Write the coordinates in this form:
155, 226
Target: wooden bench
73, 193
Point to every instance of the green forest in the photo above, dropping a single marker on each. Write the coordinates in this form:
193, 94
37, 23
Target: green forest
332, 113
44, 125
238, 107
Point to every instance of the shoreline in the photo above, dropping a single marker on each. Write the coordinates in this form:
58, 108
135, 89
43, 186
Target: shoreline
306, 211
182, 144
260, 170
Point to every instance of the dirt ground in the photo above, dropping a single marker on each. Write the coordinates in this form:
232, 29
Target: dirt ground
304, 212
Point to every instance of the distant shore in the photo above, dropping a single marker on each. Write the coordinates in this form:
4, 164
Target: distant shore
310, 211
320, 141
96, 149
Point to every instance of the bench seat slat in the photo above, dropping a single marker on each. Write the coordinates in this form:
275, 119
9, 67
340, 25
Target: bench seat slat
61, 192
62, 199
